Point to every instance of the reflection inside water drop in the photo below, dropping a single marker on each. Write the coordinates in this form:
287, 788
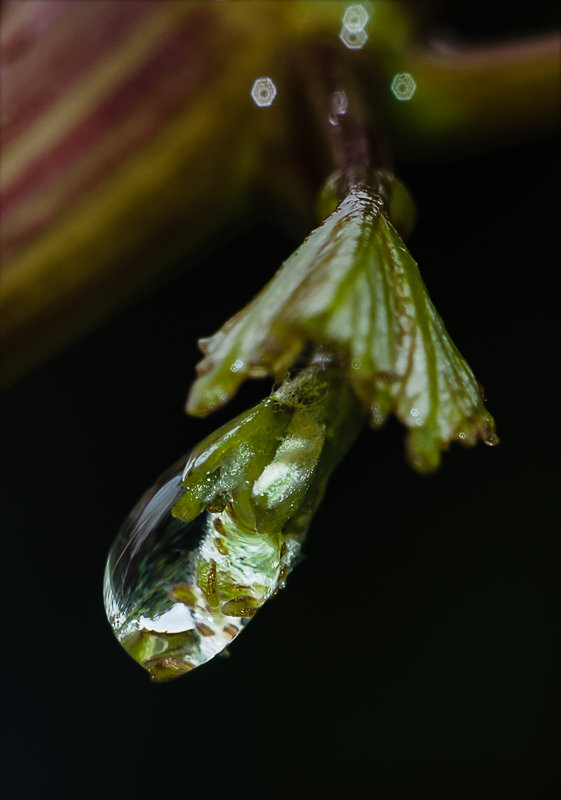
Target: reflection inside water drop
216, 536
176, 593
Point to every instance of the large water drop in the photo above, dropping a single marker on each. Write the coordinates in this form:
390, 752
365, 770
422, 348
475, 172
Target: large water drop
214, 539
176, 593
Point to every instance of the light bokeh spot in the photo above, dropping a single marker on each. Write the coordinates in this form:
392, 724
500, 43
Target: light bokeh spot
353, 30
352, 40
263, 92
355, 18
403, 86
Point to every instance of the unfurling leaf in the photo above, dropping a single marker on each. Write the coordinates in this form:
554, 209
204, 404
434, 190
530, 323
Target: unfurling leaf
353, 288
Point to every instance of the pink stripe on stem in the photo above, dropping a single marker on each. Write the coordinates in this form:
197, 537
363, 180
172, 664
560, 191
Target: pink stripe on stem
180, 69
49, 46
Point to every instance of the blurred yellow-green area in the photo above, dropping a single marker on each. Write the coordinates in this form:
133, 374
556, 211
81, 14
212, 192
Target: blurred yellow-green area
133, 134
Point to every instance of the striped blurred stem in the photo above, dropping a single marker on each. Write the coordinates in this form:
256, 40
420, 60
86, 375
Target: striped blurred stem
127, 133
129, 137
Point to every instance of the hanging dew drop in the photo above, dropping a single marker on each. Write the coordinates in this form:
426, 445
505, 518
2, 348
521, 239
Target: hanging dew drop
177, 593
219, 532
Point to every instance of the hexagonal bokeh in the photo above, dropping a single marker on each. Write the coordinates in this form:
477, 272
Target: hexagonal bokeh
263, 92
355, 18
354, 40
403, 86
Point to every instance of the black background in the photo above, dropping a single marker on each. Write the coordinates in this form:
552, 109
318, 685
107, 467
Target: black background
417, 646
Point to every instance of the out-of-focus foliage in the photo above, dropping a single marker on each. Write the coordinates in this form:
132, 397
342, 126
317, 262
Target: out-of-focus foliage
130, 136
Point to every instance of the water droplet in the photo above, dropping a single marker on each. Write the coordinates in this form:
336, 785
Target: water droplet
377, 416
338, 106
175, 593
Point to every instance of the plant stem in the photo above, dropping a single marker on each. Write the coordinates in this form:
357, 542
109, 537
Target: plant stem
349, 126
473, 97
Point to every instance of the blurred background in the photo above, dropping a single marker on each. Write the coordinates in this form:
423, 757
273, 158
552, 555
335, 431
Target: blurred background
417, 645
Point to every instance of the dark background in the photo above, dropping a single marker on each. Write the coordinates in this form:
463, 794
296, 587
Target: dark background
417, 646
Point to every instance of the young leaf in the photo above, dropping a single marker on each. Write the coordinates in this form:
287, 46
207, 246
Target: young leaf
353, 288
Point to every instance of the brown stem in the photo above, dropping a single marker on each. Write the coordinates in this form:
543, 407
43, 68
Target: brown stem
346, 119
